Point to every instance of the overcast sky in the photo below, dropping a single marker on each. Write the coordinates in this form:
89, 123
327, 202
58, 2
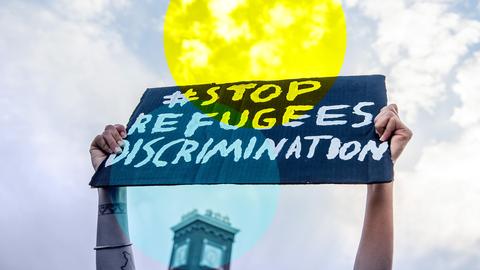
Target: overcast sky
69, 67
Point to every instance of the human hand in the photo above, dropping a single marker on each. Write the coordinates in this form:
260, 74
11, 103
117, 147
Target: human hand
376, 245
109, 142
389, 127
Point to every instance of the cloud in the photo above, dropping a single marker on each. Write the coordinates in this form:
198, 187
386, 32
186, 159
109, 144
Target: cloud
422, 47
90, 9
316, 227
69, 72
418, 45
62, 81
438, 200
467, 88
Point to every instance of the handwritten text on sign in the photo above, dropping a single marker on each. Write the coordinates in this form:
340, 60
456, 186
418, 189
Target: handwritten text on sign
292, 131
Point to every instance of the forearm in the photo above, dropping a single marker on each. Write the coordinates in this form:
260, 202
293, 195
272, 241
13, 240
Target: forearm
375, 250
113, 249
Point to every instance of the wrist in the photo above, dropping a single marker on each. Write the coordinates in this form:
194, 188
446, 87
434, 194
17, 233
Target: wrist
377, 192
112, 195
112, 227
117, 208
375, 188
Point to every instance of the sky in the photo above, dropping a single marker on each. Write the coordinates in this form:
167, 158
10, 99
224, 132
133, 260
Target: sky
70, 67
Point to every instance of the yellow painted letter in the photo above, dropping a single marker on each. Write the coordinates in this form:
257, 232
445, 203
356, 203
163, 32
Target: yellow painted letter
270, 121
240, 90
294, 90
213, 93
255, 96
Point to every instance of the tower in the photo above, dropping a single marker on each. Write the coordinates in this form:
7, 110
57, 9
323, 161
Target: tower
202, 242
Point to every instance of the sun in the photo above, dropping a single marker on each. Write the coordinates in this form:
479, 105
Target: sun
218, 41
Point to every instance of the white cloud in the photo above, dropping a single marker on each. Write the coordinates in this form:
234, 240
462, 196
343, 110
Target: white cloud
419, 44
468, 88
72, 74
316, 227
62, 81
437, 202
90, 9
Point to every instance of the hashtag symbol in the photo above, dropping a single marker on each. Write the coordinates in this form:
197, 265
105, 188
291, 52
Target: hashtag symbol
180, 98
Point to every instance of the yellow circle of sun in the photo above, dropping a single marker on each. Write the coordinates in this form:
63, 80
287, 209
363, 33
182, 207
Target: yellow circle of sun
218, 41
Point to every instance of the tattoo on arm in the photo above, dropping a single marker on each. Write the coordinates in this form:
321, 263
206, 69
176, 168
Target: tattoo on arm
112, 208
127, 257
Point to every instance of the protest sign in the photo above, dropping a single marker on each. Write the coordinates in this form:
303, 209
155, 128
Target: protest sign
298, 131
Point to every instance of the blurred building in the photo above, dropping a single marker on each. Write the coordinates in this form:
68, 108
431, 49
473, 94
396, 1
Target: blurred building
202, 242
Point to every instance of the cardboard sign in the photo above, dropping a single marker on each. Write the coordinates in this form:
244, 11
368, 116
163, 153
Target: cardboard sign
299, 131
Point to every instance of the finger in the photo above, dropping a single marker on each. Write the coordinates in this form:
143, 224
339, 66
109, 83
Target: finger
104, 146
382, 120
389, 129
100, 143
111, 141
382, 113
116, 134
394, 107
122, 130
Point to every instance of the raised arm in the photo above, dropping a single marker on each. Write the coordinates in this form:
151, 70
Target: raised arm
113, 250
375, 251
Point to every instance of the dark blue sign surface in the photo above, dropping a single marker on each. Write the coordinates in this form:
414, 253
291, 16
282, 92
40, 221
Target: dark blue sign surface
299, 131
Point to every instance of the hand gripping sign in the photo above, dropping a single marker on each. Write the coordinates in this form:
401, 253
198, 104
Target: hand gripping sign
298, 131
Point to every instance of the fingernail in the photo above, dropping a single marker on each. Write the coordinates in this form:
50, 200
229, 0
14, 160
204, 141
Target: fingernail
121, 143
118, 150
123, 134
